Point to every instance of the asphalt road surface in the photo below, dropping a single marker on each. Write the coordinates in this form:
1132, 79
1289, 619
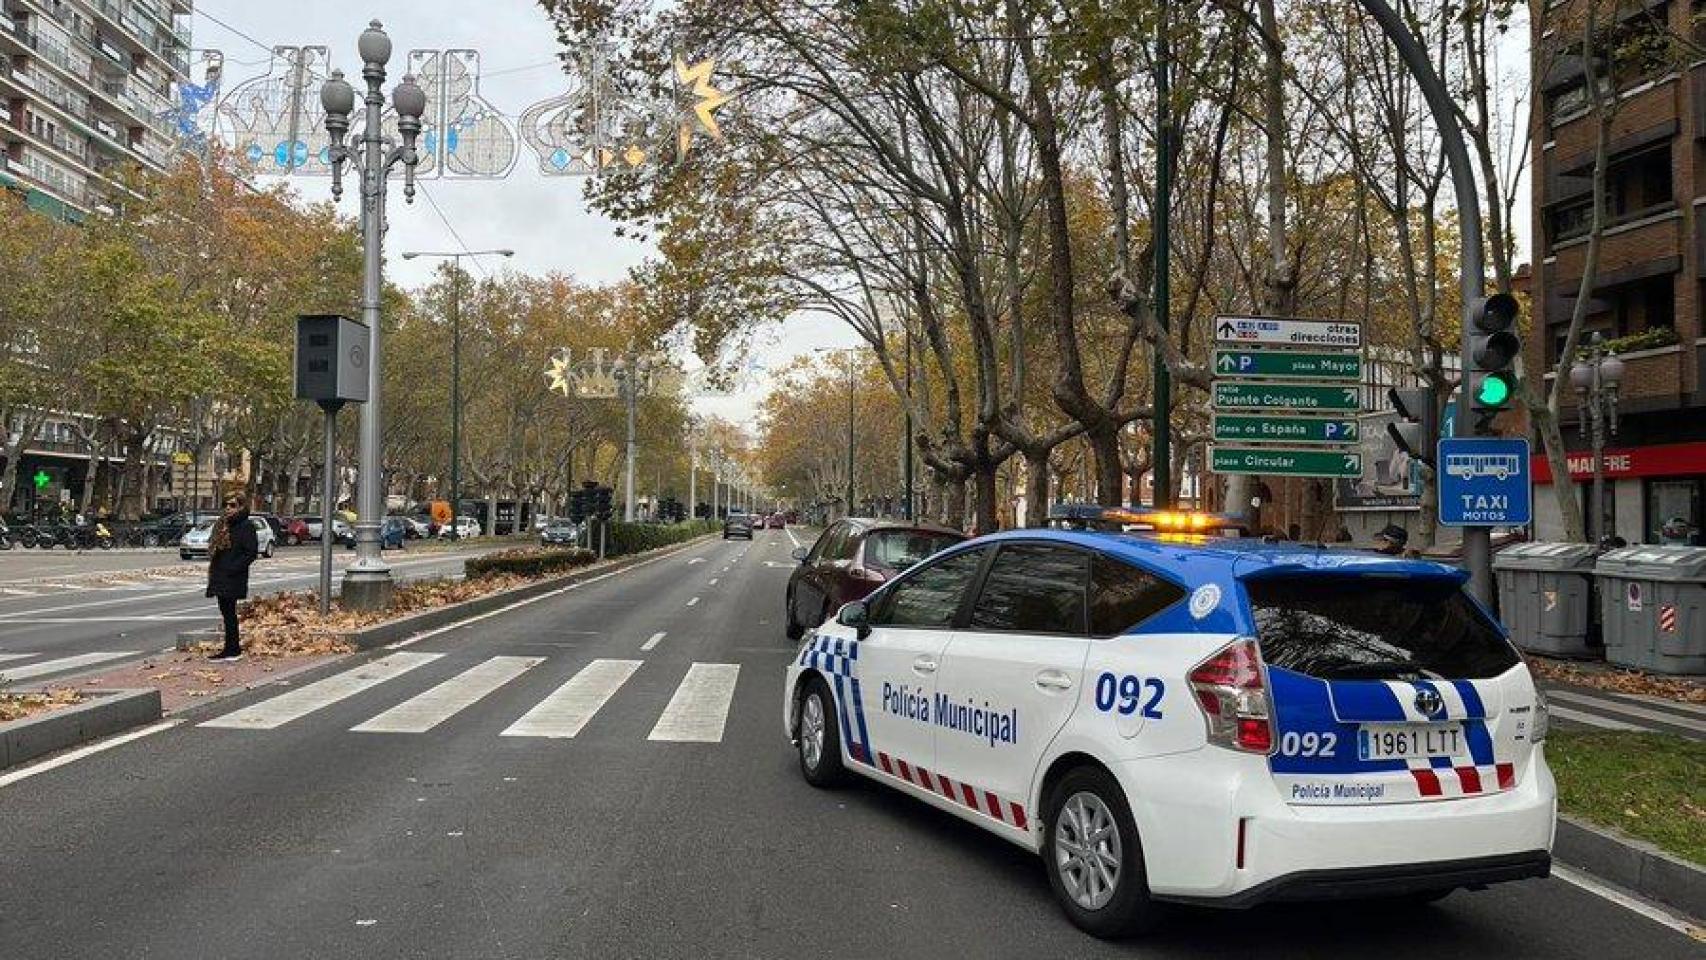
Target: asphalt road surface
600, 773
65, 614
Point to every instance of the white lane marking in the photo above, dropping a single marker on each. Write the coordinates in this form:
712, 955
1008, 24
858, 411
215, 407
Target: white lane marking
66, 663
712, 582
791, 536
1694, 708
695, 560
571, 706
282, 709
649, 644
1565, 713
98, 746
1625, 710
417, 638
693, 601
1577, 878
700, 707
17, 656
423, 712
139, 618
18, 593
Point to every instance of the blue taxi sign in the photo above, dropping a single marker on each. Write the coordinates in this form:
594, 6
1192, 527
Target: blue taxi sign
1484, 482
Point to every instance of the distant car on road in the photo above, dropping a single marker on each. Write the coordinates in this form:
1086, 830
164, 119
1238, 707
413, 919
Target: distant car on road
852, 558
737, 525
341, 532
195, 543
559, 533
465, 527
776, 522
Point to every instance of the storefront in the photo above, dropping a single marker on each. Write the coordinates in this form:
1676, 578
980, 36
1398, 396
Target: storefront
1653, 494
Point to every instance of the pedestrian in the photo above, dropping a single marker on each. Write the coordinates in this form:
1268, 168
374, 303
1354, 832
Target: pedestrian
232, 548
1391, 540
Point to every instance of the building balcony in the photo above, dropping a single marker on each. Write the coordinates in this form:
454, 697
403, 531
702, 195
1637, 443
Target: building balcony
1644, 105
1645, 241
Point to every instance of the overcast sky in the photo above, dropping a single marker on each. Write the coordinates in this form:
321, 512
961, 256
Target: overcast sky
544, 219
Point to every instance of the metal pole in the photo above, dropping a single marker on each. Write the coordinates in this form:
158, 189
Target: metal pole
1596, 430
850, 433
631, 386
692, 474
906, 442
328, 490
1161, 450
1477, 541
369, 575
455, 395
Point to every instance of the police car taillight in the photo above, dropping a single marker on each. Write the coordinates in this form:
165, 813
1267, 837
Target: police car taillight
1232, 692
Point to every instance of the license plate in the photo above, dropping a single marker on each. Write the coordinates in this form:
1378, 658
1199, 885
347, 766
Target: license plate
1409, 741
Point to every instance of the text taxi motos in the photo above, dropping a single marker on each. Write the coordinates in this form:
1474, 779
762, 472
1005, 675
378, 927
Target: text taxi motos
1191, 719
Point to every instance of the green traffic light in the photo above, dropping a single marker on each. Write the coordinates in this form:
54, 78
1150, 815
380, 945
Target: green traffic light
1495, 391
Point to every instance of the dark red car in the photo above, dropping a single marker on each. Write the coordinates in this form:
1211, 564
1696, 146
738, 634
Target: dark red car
852, 558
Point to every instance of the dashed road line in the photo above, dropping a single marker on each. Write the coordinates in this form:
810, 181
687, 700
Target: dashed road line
653, 641
693, 601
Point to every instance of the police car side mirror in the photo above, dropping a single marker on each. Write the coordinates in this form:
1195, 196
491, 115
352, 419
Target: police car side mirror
857, 616
799, 553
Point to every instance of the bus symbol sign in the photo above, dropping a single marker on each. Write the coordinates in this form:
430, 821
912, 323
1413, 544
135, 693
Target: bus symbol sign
1484, 482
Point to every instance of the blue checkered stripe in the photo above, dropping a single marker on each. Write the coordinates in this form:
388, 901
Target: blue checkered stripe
838, 658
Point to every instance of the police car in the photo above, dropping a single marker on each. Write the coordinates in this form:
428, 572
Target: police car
1178, 717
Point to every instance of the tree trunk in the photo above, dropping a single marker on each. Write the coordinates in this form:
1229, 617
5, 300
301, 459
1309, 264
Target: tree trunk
1036, 490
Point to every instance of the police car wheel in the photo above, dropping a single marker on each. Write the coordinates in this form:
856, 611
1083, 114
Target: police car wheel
1094, 861
819, 738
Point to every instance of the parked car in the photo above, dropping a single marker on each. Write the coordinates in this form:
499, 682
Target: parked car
295, 531
341, 532
737, 525
168, 529
195, 543
275, 522
776, 522
419, 528
392, 532
560, 533
465, 527
852, 558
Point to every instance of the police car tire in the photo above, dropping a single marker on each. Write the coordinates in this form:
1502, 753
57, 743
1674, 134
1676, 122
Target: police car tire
829, 771
1130, 911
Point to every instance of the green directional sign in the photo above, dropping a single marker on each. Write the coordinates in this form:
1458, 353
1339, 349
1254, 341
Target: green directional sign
1242, 427
1279, 363
1275, 461
1302, 397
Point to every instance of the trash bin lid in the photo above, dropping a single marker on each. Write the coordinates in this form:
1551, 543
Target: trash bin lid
1545, 556
1655, 563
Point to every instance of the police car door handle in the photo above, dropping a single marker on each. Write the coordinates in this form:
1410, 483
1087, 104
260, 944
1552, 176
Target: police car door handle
924, 664
1054, 680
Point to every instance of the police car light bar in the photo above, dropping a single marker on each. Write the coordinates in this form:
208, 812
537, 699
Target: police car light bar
1084, 515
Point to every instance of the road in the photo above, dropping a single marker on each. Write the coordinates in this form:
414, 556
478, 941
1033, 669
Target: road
64, 614
643, 803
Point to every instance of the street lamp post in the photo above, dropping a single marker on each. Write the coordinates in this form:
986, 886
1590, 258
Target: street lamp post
631, 377
367, 582
456, 371
1596, 375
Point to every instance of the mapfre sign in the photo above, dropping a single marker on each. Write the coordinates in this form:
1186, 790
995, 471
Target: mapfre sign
1661, 460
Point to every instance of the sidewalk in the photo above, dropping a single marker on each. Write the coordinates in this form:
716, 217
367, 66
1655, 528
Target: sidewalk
1600, 697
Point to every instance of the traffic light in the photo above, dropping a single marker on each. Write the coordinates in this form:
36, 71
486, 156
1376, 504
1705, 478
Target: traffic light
1490, 381
1416, 430
601, 501
578, 505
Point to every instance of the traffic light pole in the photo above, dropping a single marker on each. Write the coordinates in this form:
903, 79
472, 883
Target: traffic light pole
1477, 541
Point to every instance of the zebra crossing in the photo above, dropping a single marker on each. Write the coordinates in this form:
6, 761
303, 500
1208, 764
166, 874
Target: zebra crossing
12, 671
697, 712
1625, 712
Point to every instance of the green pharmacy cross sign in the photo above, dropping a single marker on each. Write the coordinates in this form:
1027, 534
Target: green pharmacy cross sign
42, 479
1299, 397
1275, 461
1283, 364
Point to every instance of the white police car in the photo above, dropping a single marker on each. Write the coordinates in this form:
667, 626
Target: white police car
1177, 718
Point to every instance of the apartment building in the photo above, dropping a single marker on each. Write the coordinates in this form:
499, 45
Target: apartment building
1646, 295
85, 88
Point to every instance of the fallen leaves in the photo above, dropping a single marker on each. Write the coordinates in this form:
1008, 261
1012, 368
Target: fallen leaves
16, 706
1616, 680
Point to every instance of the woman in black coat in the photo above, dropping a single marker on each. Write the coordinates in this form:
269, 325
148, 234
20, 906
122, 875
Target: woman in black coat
232, 548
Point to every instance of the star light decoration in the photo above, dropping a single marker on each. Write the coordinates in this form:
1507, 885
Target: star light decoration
558, 374
710, 98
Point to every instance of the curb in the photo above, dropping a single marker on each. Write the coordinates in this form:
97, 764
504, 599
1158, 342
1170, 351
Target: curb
106, 712
381, 634
1633, 864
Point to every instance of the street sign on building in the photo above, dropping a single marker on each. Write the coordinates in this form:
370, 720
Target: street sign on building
1280, 462
1287, 365
1484, 481
1238, 428
1288, 332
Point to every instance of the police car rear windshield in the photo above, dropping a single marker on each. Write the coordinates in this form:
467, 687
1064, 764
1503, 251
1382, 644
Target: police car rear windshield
1362, 628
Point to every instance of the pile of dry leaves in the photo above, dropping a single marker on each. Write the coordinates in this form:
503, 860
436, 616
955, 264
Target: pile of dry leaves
16, 706
290, 625
1619, 681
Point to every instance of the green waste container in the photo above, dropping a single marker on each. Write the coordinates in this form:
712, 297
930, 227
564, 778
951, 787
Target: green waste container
1546, 596
1653, 606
